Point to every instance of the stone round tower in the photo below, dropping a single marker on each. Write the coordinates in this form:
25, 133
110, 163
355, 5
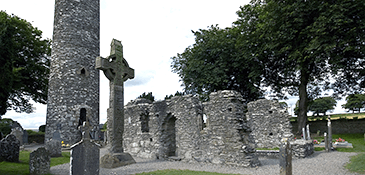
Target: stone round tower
73, 94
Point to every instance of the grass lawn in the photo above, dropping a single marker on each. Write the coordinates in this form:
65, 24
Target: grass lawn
22, 167
357, 163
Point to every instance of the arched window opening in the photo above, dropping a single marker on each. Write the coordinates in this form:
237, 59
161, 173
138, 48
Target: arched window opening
145, 118
82, 116
83, 71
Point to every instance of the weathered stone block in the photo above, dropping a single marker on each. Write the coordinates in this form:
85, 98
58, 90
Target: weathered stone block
39, 162
85, 158
116, 160
9, 149
54, 147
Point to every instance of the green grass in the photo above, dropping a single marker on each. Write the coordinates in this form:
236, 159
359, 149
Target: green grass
179, 172
357, 163
22, 167
276, 148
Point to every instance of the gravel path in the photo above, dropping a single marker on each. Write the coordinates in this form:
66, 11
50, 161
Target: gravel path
319, 163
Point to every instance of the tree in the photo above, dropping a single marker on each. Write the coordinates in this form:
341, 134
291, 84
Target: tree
301, 44
24, 64
214, 63
42, 128
148, 96
354, 102
322, 105
176, 94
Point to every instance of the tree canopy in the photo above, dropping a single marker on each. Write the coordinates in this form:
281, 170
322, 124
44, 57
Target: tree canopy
24, 64
214, 63
295, 47
147, 96
355, 102
306, 47
322, 105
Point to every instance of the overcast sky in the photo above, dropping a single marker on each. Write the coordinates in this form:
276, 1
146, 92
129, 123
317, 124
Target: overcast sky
151, 31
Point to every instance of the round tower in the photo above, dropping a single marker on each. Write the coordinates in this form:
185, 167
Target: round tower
73, 93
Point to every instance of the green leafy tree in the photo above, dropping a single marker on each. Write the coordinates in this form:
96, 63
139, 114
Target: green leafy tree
5, 126
322, 105
355, 102
301, 44
42, 128
148, 96
24, 64
176, 94
214, 63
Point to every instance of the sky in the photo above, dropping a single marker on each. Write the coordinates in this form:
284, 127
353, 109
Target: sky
151, 31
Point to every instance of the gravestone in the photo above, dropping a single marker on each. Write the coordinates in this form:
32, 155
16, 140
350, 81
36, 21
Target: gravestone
9, 148
85, 155
329, 125
54, 147
326, 142
303, 131
308, 133
39, 162
285, 157
18, 133
57, 136
25, 137
117, 70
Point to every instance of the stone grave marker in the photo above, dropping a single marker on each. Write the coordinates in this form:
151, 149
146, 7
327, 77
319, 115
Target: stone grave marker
54, 147
9, 148
329, 125
57, 136
117, 70
325, 142
18, 133
25, 137
85, 155
285, 157
303, 131
308, 133
39, 162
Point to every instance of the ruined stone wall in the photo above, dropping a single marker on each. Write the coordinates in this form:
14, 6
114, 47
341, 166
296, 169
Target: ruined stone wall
174, 128
269, 121
73, 81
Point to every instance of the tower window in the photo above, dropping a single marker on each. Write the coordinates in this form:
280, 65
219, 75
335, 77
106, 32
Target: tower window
82, 116
83, 71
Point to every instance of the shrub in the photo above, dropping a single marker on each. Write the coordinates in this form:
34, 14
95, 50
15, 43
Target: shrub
42, 128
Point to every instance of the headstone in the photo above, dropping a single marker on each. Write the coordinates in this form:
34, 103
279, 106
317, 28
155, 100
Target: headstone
39, 162
85, 155
326, 142
54, 147
57, 136
303, 131
18, 133
25, 137
117, 70
285, 157
330, 147
9, 148
308, 133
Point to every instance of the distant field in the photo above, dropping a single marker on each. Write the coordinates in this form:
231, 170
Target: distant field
335, 116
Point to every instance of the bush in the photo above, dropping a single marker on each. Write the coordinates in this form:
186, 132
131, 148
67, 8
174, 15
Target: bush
42, 128
37, 137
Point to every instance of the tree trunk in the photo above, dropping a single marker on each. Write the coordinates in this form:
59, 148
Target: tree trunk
303, 100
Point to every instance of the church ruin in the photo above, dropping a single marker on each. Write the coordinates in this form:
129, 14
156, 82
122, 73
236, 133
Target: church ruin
175, 128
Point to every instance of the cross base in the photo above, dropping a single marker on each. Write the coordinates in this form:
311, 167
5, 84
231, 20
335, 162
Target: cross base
116, 160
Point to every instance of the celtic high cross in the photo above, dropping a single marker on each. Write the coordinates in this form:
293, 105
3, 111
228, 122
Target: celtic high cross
117, 70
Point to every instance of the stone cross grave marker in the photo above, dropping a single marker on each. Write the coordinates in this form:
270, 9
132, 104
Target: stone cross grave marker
308, 133
329, 134
85, 155
285, 157
117, 70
